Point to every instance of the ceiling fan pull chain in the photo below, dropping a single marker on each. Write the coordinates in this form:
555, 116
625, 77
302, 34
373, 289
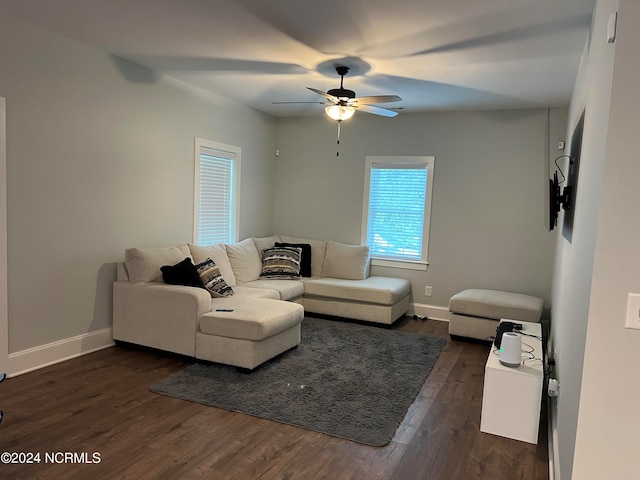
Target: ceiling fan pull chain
338, 142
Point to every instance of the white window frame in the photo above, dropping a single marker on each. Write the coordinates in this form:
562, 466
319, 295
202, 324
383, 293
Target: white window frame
429, 162
223, 150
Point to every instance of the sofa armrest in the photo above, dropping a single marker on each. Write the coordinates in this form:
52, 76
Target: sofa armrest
158, 315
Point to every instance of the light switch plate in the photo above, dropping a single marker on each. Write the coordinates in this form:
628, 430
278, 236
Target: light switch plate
611, 27
633, 311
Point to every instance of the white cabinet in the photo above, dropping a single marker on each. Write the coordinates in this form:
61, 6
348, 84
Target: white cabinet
512, 396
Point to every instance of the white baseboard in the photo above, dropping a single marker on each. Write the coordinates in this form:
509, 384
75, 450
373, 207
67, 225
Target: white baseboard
432, 312
552, 438
44, 355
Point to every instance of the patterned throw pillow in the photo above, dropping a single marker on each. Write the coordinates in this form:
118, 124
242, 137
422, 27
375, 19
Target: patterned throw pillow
281, 263
212, 279
305, 259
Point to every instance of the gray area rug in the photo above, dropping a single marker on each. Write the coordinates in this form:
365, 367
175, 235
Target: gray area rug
344, 379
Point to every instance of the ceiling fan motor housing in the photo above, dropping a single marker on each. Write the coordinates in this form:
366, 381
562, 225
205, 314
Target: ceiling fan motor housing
342, 93
343, 102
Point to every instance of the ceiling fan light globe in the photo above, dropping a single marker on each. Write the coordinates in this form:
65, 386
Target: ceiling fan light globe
339, 112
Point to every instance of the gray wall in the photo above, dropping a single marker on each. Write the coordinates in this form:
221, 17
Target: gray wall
487, 219
100, 158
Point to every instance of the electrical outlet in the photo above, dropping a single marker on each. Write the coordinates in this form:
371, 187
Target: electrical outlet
633, 311
427, 291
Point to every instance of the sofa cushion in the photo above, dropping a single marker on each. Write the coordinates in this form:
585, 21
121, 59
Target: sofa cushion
350, 262
377, 290
212, 279
217, 253
183, 273
305, 258
245, 260
143, 264
287, 289
281, 263
263, 243
318, 251
246, 290
255, 320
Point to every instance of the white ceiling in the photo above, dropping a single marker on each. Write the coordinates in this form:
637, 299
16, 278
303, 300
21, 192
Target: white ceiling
435, 54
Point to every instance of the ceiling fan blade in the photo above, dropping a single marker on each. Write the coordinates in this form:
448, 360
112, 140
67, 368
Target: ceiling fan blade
385, 112
331, 98
375, 99
281, 103
174, 64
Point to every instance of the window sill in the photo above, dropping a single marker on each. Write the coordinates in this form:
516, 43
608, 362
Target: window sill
407, 265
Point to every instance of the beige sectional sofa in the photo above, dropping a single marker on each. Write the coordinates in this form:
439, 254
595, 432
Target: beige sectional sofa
262, 317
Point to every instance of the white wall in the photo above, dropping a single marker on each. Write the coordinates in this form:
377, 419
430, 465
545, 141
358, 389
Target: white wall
100, 158
578, 290
487, 219
608, 429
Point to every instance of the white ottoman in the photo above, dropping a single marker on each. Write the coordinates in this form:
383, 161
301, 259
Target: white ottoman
475, 313
252, 333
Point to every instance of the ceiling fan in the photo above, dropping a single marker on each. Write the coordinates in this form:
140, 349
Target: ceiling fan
342, 102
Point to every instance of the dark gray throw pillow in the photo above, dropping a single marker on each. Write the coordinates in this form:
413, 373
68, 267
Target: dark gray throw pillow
182, 273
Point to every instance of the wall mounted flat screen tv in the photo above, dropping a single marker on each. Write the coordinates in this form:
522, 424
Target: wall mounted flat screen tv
569, 204
562, 188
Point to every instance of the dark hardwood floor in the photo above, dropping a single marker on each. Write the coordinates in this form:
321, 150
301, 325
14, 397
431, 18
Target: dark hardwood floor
100, 404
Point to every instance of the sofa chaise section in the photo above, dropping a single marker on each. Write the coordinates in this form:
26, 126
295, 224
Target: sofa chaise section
243, 330
373, 299
251, 333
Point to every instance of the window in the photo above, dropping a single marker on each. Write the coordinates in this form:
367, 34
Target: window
217, 182
397, 207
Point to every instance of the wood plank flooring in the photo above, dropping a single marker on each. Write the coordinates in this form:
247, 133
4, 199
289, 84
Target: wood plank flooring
100, 404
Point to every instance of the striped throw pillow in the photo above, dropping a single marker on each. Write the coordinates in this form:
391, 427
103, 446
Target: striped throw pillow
281, 262
212, 278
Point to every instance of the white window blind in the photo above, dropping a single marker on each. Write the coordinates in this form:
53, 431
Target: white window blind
397, 207
216, 195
